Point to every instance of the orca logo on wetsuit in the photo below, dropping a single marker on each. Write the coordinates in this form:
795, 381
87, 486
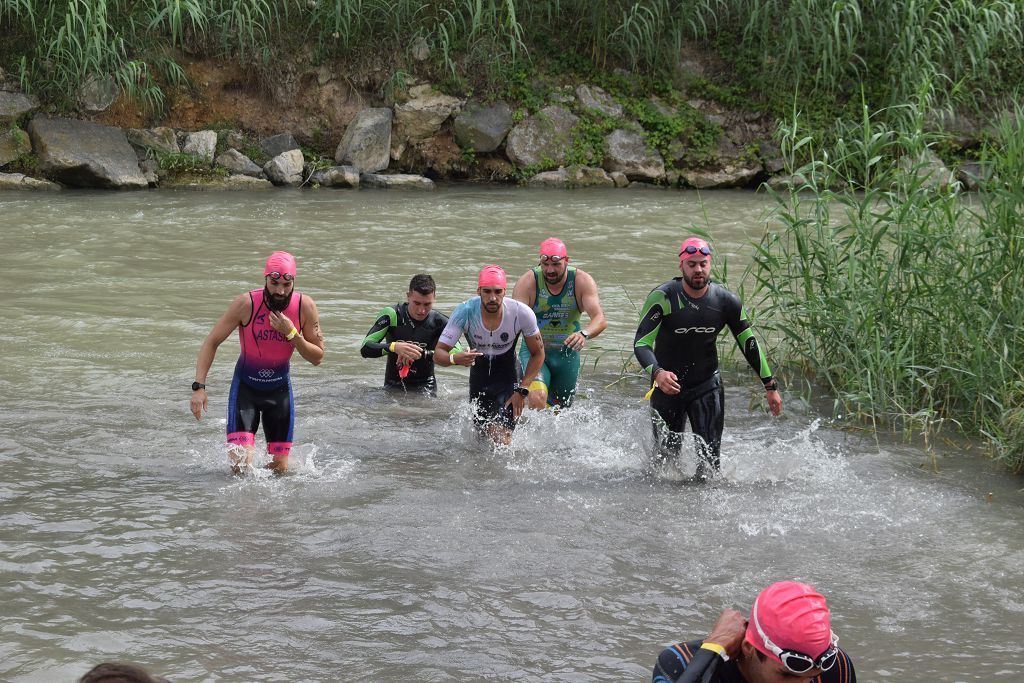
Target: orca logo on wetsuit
383, 320
698, 330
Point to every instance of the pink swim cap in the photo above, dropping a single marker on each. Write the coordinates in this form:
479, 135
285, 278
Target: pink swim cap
794, 616
280, 262
696, 246
553, 246
491, 276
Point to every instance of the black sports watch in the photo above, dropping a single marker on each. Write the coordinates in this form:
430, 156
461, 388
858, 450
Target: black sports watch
196, 386
522, 391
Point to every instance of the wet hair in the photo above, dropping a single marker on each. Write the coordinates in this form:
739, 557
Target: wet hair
118, 672
422, 283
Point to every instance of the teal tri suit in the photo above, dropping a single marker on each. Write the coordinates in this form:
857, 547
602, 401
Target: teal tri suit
558, 316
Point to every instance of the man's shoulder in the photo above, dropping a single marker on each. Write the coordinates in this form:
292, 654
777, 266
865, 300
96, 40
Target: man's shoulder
842, 671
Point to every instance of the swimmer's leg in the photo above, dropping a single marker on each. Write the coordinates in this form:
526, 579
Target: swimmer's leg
538, 398
668, 423
565, 376
707, 418
243, 421
279, 427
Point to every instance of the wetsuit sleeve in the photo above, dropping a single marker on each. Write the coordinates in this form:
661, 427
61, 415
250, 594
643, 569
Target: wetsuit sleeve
656, 307
740, 327
375, 344
684, 663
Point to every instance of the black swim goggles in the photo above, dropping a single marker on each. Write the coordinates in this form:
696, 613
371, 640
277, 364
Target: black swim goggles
798, 662
544, 258
288, 277
690, 249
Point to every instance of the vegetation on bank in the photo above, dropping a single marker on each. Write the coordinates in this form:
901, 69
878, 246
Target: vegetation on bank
906, 301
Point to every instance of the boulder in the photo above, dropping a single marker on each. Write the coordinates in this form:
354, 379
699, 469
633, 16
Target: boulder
729, 175
397, 181
573, 176
85, 154
233, 139
20, 181
161, 139
201, 144
239, 164
278, 144
780, 183
597, 99
98, 93
972, 173
619, 178
245, 182
13, 144
628, 153
336, 176
929, 169
483, 129
544, 137
285, 168
14, 105
422, 115
367, 141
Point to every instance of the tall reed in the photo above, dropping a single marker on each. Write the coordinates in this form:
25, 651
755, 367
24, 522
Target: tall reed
905, 300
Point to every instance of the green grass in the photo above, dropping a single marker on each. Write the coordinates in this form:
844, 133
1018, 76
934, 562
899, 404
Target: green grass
906, 302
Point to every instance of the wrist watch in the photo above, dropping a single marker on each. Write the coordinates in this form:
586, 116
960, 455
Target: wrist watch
196, 386
585, 335
522, 391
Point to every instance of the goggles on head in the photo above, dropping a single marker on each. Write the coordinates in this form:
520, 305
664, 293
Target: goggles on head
690, 249
544, 258
798, 662
288, 277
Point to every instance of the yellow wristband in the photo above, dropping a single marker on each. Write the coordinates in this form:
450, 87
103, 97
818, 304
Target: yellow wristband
717, 649
451, 358
391, 348
291, 335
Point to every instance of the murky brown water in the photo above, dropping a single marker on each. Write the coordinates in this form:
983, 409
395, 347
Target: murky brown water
401, 548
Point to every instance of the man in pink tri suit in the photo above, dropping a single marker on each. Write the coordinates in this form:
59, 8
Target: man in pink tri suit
272, 323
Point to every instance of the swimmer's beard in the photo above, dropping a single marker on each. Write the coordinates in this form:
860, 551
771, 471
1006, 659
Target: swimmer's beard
274, 302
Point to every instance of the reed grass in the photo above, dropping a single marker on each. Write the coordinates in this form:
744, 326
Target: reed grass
905, 301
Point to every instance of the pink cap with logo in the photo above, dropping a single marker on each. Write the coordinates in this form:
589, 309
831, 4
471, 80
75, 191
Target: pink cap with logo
553, 246
794, 616
692, 247
491, 276
280, 262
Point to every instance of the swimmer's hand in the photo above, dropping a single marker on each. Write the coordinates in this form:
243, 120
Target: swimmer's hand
407, 353
198, 402
575, 341
467, 357
281, 323
667, 382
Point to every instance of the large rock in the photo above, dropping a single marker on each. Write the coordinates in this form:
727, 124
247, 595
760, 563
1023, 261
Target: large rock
85, 154
972, 174
544, 137
159, 139
422, 116
13, 144
367, 141
397, 181
483, 129
98, 93
628, 153
573, 176
727, 176
201, 144
20, 181
597, 99
285, 168
244, 182
14, 105
237, 163
336, 176
929, 169
278, 144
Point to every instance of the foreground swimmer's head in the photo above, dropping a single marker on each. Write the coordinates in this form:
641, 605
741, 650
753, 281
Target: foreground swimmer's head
695, 262
420, 296
789, 632
279, 280
490, 285
554, 260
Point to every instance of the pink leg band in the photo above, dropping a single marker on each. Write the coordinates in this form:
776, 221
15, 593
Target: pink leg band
242, 438
279, 449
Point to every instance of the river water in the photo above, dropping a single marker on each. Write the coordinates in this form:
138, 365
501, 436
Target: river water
401, 547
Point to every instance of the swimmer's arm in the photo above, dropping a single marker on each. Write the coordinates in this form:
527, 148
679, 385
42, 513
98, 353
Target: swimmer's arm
590, 303
238, 313
535, 344
656, 307
310, 344
525, 289
750, 349
375, 343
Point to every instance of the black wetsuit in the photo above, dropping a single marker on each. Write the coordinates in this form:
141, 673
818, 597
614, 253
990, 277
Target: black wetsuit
679, 333
395, 324
688, 663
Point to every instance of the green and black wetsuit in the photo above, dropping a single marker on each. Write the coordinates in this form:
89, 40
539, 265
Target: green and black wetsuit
395, 324
678, 333
688, 663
